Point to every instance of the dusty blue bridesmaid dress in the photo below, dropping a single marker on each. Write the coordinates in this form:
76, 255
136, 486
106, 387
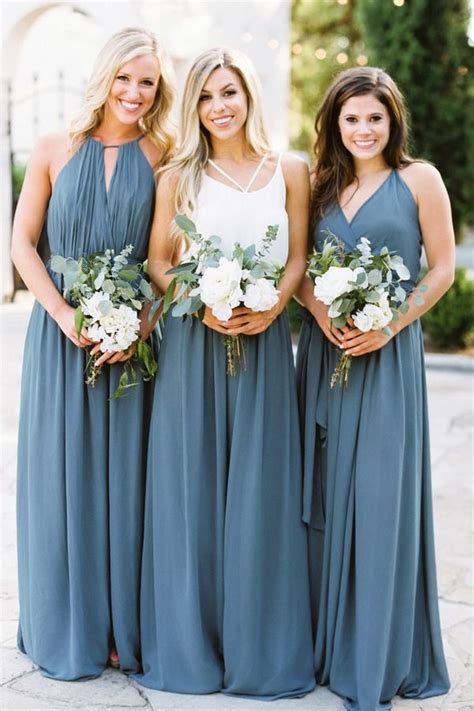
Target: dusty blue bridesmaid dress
225, 586
81, 456
367, 492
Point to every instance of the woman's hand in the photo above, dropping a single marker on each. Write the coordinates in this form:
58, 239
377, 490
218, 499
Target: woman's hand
320, 314
243, 321
111, 357
357, 343
65, 320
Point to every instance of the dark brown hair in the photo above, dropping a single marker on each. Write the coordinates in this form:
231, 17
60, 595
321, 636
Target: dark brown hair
334, 167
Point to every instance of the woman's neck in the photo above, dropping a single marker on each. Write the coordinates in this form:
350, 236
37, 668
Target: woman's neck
234, 149
366, 168
113, 131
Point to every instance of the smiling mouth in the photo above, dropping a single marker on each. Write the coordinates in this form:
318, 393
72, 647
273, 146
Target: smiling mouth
130, 106
222, 122
365, 144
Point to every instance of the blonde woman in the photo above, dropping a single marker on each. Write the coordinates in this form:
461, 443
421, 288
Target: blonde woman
81, 456
225, 591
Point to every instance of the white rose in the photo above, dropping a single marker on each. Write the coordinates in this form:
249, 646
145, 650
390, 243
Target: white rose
261, 296
362, 320
96, 332
220, 288
92, 306
335, 282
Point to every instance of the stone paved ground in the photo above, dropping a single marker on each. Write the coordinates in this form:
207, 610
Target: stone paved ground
450, 382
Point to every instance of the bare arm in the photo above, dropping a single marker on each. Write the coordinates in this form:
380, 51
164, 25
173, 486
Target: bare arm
162, 246
434, 214
29, 218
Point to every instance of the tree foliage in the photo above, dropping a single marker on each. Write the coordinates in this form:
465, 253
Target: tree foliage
423, 45
328, 28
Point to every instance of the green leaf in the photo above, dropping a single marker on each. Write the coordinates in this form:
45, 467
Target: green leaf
58, 264
154, 308
249, 252
182, 308
168, 300
185, 223
128, 274
108, 286
78, 320
339, 321
146, 290
375, 276
184, 267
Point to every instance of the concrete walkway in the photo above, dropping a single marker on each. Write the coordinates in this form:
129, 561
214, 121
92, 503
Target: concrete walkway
450, 383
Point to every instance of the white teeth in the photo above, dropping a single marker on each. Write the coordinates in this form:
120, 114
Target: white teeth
129, 105
222, 121
365, 143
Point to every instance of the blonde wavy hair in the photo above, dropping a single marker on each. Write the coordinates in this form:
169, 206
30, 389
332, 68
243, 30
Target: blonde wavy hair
193, 153
122, 47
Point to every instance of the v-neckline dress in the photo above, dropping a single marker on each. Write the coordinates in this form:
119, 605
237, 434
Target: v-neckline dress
81, 456
367, 490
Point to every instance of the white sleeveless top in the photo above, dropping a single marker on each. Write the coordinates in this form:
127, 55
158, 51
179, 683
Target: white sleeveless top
239, 215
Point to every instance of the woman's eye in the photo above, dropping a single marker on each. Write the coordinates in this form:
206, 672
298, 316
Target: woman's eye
376, 118
204, 97
231, 92
122, 77
351, 119
148, 82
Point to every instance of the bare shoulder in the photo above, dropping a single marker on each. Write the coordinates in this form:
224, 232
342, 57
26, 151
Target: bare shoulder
421, 177
50, 146
167, 183
295, 169
153, 154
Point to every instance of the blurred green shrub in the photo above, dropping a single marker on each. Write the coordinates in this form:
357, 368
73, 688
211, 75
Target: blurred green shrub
18, 175
450, 322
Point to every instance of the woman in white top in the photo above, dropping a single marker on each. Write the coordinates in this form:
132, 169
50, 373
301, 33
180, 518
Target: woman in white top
225, 581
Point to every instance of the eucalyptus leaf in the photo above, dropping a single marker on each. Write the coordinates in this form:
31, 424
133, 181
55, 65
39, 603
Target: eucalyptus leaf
78, 320
108, 286
185, 223
184, 267
99, 280
182, 308
105, 307
58, 264
146, 290
400, 294
375, 276
128, 274
339, 322
168, 298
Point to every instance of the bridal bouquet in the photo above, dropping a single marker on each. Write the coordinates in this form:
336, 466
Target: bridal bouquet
358, 286
207, 278
108, 292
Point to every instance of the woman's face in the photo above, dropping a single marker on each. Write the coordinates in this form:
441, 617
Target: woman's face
364, 123
223, 104
134, 89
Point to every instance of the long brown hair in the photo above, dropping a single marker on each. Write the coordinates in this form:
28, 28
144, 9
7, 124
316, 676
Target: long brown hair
334, 166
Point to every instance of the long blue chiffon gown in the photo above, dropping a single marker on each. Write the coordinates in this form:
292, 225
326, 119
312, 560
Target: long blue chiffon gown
367, 492
82, 456
225, 583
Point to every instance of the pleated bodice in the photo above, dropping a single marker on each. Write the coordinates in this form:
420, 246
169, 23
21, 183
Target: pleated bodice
84, 217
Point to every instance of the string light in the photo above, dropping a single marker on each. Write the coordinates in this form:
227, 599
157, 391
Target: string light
297, 48
362, 60
399, 3
273, 43
320, 53
343, 42
342, 2
341, 58
462, 70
